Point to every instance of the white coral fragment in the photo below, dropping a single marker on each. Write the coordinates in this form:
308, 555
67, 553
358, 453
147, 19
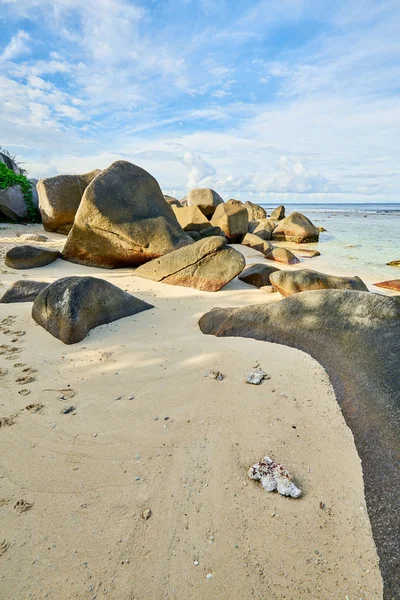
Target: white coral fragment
274, 476
256, 376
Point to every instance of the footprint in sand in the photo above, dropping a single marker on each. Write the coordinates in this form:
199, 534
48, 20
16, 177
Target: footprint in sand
24, 392
3, 372
25, 379
10, 352
4, 546
65, 394
18, 365
8, 320
7, 421
22, 506
33, 408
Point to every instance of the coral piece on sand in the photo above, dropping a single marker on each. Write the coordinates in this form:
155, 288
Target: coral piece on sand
274, 476
256, 376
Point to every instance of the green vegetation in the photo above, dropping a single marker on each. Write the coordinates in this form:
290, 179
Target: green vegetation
8, 178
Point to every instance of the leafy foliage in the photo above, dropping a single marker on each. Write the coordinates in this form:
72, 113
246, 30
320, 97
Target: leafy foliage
8, 178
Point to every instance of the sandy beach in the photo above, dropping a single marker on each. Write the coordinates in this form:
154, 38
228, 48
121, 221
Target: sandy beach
151, 430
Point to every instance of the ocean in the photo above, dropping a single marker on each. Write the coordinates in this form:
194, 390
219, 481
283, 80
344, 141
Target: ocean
360, 238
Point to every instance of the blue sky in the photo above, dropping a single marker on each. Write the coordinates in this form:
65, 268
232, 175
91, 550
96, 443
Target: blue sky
289, 100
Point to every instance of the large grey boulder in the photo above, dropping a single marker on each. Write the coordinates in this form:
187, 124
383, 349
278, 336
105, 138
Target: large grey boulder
70, 307
171, 200
59, 199
30, 257
303, 280
356, 338
233, 221
10, 163
205, 198
23, 290
12, 204
207, 265
123, 220
296, 228
257, 274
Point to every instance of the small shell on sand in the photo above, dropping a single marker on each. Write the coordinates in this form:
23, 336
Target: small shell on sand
274, 476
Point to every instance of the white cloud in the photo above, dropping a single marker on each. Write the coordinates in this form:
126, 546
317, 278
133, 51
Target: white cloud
18, 45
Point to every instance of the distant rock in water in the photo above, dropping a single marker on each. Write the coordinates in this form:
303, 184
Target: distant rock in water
30, 257
392, 284
303, 280
394, 263
296, 228
257, 274
278, 214
206, 199
24, 290
207, 265
123, 220
282, 255
356, 338
59, 199
70, 307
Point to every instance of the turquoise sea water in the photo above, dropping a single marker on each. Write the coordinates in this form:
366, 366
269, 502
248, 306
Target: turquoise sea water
360, 238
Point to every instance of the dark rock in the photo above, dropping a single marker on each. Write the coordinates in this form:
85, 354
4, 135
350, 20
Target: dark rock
23, 290
205, 265
211, 231
303, 280
70, 307
278, 214
282, 255
59, 199
232, 220
321, 229
257, 243
257, 274
30, 257
10, 163
392, 284
394, 263
123, 220
195, 235
356, 338
296, 228
171, 200
12, 204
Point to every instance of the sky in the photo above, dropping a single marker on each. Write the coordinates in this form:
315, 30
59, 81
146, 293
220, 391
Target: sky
267, 100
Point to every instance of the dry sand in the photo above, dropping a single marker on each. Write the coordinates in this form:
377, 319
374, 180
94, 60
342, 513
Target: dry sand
144, 409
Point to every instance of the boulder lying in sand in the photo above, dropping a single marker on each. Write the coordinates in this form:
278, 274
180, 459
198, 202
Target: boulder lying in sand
303, 280
282, 255
356, 338
12, 203
263, 228
70, 307
255, 211
30, 257
205, 265
123, 220
233, 221
392, 284
190, 218
306, 252
274, 476
257, 274
206, 199
24, 290
254, 241
278, 213
59, 199
296, 228
32, 237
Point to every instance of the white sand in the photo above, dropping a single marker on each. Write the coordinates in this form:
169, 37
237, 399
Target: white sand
84, 536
